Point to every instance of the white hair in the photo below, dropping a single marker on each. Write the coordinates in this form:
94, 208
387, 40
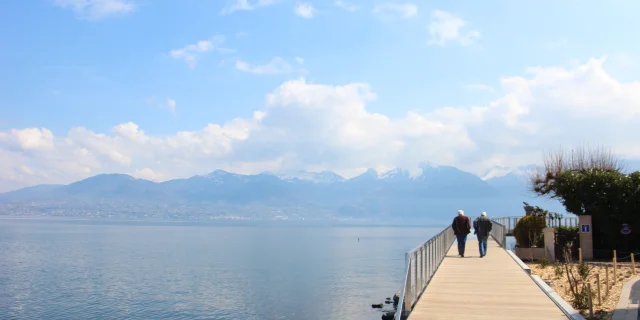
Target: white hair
484, 214
460, 213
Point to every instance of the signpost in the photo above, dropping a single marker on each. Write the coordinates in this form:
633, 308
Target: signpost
586, 237
625, 229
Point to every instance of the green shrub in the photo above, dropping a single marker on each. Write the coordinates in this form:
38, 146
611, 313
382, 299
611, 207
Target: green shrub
567, 230
559, 270
581, 298
544, 263
583, 271
528, 232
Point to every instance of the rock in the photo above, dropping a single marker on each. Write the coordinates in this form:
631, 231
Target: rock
388, 315
388, 298
388, 302
396, 300
376, 305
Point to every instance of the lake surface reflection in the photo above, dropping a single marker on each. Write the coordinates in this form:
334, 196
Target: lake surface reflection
56, 269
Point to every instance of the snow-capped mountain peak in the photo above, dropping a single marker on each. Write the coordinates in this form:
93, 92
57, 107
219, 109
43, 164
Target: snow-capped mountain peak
501, 171
315, 177
394, 174
219, 176
428, 165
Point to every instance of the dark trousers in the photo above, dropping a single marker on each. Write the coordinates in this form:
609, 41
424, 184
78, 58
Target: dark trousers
462, 241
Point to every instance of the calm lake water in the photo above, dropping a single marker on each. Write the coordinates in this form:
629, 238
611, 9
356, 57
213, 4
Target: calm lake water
53, 269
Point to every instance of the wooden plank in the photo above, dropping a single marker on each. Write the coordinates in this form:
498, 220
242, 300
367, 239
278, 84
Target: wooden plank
493, 287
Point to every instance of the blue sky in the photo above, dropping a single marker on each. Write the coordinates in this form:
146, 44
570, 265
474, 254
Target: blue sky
97, 64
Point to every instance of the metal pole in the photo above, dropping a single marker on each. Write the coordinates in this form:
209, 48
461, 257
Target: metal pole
426, 265
438, 250
431, 258
407, 287
415, 277
423, 267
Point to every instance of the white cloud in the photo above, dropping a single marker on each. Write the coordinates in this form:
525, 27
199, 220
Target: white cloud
171, 104
446, 27
299, 60
247, 5
395, 10
191, 52
275, 66
148, 174
305, 10
305, 125
96, 9
30, 139
346, 5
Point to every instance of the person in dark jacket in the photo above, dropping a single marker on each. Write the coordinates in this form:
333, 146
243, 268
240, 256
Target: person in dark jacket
482, 228
461, 228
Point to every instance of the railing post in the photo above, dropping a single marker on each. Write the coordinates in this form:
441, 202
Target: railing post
437, 252
504, 238
433, 256
424, 265
407, 286
420, 277
415, 279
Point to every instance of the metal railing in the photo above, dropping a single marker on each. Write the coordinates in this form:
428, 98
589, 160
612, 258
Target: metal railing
510, 222
421, 265
499, 233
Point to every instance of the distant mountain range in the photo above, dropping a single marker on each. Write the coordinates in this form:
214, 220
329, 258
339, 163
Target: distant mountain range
393, 195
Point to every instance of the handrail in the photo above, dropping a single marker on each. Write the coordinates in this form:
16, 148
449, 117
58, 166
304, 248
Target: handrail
499, 233
421, 264
510, 222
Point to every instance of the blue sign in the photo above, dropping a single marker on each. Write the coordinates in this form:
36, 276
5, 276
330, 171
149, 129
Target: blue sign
585, 228
626, 229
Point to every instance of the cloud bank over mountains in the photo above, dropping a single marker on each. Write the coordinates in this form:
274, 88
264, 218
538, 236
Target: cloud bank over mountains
316, 127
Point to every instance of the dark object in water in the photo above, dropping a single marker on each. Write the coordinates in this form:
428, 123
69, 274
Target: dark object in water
388, 302
376, 305
388, 315
388, 298
396, 300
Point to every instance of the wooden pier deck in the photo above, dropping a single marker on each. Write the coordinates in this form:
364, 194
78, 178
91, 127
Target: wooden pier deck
493, 287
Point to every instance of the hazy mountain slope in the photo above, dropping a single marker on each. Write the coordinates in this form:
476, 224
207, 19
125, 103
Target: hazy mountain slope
437, 191
29, 193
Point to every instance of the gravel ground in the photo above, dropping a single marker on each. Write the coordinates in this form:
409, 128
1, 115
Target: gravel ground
609, 300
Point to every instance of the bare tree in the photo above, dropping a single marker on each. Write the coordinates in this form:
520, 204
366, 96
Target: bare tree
579, 159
